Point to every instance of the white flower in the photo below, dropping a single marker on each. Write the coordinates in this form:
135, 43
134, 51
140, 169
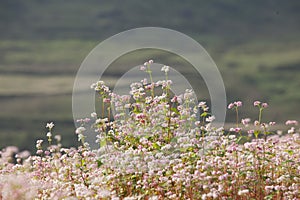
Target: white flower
93, 86
50, 125
39, 144
49, 134
80, 130
165, 68
210, 119
58, 138
94, 114
242, 192
202, 103
80, 137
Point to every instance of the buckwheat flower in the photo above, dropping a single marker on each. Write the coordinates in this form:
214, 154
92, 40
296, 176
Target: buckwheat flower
58, 138
256, 123
269, 187
251, 131
100, 121
237, 130
210, 119
238, 103
106, 100
202, 103
264, 105
49, 134
143, 68
230, 106
86, 120
165, 125
93, 86
80, 130
246, 121
242, 192
94, 114
174, 99
39, 144
277, 187
291, 130
80, 137
272, 123
39, 152
256, 103
279, 132
205, 108
165, 68
231, 137
50, 125
153, 198
291, 122
144, 81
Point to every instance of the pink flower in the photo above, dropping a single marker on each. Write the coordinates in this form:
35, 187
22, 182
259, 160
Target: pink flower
238, 103
245, 121
291, 122
256, 103
264, 105
143, 68
251, 131
106, 100
230, 106
256, 123
235, 104
237, 130
174, 99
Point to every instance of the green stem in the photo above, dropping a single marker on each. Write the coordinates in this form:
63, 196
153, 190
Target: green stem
237, 117
151, 80
260, 114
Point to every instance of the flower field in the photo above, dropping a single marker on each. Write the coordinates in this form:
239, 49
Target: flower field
158, 146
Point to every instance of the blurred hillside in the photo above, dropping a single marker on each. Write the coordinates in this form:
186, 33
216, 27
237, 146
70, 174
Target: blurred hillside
235, 19
255, 45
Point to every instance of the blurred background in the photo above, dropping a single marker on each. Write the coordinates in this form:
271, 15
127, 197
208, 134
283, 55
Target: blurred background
255, 44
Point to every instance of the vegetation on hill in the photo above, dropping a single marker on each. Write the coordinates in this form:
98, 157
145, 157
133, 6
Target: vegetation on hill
255, 44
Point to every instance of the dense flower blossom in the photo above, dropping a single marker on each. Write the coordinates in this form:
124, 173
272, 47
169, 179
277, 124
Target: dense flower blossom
165, 68
158, 147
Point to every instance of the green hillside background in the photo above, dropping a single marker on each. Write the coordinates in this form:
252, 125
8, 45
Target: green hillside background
255, 44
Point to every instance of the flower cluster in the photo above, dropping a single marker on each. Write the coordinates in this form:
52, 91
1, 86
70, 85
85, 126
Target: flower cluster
158, 146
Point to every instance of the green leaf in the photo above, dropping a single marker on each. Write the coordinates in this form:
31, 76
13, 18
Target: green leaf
99, 163
290, 152
204, 114
103, 142
155, 146
269, 197
256, 133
